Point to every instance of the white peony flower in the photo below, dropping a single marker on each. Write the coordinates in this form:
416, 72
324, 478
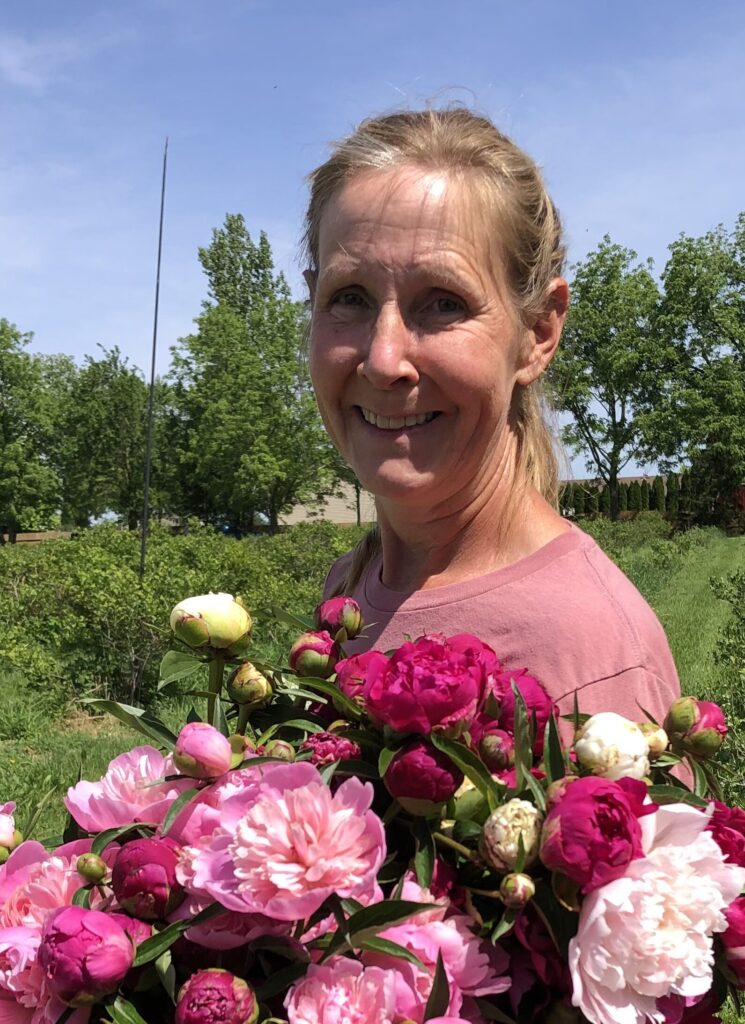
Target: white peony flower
613, 747
8, 834
215, 619
500, 837
649, 933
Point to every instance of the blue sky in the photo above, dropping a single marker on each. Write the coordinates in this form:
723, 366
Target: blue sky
634, 109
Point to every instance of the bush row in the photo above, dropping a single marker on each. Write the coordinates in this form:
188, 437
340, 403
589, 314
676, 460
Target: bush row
671, 495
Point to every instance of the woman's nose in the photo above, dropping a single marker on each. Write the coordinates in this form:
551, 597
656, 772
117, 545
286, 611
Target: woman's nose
389, 357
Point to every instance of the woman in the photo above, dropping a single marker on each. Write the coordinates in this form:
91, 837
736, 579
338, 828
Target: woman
435, 262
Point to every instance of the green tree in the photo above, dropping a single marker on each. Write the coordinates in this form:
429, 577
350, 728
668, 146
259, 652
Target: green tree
604, 501
600, 373
697, 414
250, 442
645, 496
592, 503
635, 496
623, 497
673, 495
578, 499
658, 492
684, 500
29, 484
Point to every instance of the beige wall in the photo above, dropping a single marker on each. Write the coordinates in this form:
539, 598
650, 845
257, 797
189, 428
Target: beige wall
342, 510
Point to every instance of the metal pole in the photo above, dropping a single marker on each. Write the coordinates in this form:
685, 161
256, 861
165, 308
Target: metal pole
149, 447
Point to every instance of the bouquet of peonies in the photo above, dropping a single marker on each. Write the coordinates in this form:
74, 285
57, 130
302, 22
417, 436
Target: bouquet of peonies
379, 839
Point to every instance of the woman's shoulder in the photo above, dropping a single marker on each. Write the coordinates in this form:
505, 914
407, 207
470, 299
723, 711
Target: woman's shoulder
336, 573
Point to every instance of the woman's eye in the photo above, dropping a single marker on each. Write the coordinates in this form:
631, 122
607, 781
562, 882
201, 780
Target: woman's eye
447, 304
347, 299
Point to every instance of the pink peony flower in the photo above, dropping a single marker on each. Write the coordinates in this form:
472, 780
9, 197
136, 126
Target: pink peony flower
351, 673
436, 682
536, 699
593, 831
201, 816
343, 990
84, 954
648, 934
421, 778
314, 654
215, 996
202, 752
341, 617
144, 878
131, 790
727, 825
20, 976
287, 843
733, 939
327, 747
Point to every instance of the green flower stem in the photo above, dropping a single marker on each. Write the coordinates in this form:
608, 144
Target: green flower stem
244, 712
444, 840
215, 685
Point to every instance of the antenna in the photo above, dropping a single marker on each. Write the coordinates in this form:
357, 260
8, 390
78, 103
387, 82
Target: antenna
149, 447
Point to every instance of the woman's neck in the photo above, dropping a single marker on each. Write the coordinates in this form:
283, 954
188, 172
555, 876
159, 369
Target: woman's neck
497, 526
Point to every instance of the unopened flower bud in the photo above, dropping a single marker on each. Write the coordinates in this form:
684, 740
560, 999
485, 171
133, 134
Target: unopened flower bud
422, 778
91, 867
144, 878
516, 890
202, 752
341, 617
215, 996
214, 620
314, 654
497, 750
612, 747
84, 955
327, 747
500, 837
656, 737
280, 749
249, 687
695, 727
10, 837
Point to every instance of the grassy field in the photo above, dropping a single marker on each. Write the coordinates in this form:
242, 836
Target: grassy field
46, 749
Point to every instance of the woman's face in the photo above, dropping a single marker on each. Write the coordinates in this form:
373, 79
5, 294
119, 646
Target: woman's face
415, 348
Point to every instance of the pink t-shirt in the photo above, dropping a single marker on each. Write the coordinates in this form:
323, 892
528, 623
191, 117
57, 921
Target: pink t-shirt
566, 613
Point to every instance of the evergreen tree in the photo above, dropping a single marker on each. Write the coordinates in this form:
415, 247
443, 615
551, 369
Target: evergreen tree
592, 504
578, 499
658, 491
635, 496
623, 497
685, 504
604, 501
645, 495
673, 495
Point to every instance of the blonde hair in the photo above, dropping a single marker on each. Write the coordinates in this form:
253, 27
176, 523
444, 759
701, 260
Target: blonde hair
523, 221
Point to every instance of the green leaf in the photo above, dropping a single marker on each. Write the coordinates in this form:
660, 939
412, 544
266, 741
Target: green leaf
167, 974
367, 922
439, 995
289, 619
647, 715
136, 718
103, 839
280, 981
675, 795
157, 944
340, 700
121, 1011
177, 806
386, 756
219, 721
39, 808
82, 897
523, 740
424, 858
177, 665
386, 946
471, 766
700, 782
553, 753
361, 769
504, 925
490, 1012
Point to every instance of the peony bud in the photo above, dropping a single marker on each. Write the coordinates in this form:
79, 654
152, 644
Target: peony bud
327, 747
214, 620
500, 837
216, 996
202, 752
497, 750
10, 837
341, 617
422, 778
657, 739
144, 878
91, 868
517, 890
611, 746
695, 727
248, 687
314, 654
85, 955
280, 749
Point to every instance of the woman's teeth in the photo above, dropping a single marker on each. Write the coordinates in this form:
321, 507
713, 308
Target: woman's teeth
396, 422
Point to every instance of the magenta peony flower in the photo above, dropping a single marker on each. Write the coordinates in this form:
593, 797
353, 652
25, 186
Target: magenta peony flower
343, 990
129, 791
351, 673
421, 778
314, 654
537, 702
733, 939
287, 842
592, 832
144, 878
202, 752
497, 749
648, 934
215, 996
84, 954
341, 617
327, 747
436, 682
695, 726
727, 825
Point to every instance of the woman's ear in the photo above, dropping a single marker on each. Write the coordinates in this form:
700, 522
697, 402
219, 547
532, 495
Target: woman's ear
544, 334
311, 277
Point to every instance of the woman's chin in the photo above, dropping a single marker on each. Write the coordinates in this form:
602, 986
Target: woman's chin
389, 484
